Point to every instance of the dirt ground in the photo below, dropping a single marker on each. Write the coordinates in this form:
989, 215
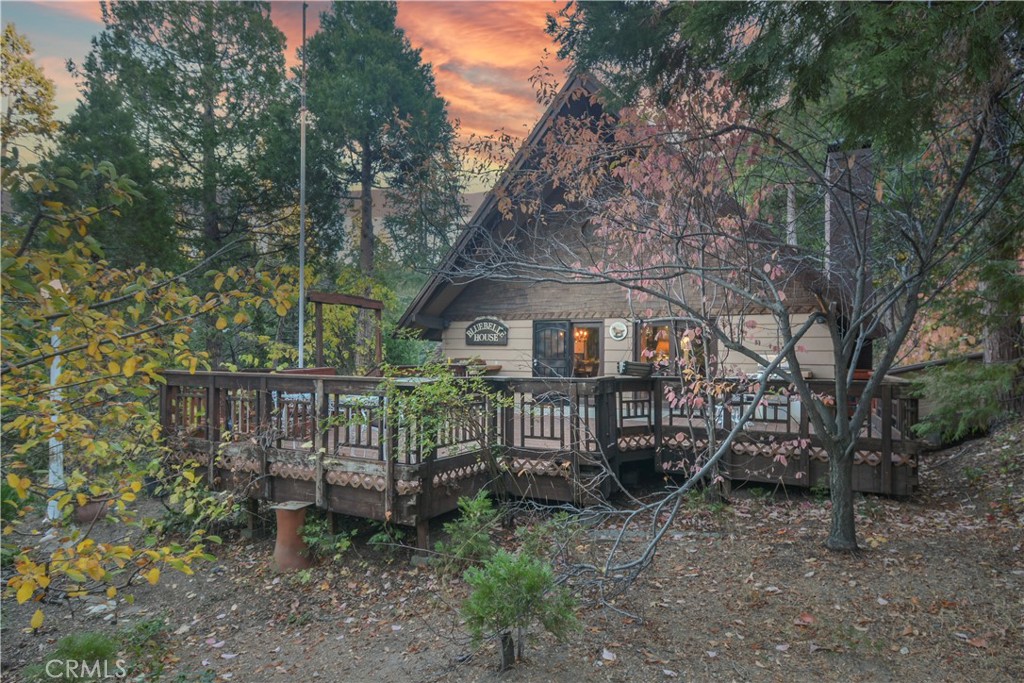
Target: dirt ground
742, 592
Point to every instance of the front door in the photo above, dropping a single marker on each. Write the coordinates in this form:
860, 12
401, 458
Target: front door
551, 349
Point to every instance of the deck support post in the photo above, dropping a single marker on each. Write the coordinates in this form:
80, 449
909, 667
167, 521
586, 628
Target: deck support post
658, 396
212, 430
886, 461
319, 443
423, 534
252, 520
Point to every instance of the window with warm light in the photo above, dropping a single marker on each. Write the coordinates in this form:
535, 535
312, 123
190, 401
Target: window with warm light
586, 349
672, 345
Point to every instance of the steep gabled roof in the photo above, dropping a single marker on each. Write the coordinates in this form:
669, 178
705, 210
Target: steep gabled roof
487, 214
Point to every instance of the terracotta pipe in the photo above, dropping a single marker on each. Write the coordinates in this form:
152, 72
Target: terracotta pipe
290, 551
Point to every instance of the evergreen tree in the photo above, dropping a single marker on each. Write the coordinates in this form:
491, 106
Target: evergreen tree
103, 129
26, 94
378, 123
198, 80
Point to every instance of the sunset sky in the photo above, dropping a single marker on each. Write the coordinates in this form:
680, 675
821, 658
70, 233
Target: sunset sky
482, 52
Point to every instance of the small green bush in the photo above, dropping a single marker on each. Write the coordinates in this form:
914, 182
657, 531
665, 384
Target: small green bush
93, 653
966, 398
469, 536
322, 543
386, 537
509, 593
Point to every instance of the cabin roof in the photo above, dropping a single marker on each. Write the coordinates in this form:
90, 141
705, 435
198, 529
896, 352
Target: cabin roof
439, 290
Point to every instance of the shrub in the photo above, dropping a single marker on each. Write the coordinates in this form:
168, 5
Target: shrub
469, 536
966, 398
322, 543
510, 592
85, 656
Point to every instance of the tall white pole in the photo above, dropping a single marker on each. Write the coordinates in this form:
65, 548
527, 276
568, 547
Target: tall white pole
55, 475
302, 201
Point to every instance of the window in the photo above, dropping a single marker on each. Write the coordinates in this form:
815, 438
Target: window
673, 345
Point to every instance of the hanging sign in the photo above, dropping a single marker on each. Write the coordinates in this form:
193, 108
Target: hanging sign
487, 332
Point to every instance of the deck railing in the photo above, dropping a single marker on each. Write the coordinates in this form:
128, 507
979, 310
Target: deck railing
543, 427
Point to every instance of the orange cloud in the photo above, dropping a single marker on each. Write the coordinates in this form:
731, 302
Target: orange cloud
482, 52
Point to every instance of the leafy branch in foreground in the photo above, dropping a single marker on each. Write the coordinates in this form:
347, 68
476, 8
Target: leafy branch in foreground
84, 346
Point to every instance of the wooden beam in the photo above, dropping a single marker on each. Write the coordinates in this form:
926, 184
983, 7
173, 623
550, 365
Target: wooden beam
319, 314
344, 299
380, 330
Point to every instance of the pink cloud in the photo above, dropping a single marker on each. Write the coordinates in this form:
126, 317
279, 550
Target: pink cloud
482, 53
81, 9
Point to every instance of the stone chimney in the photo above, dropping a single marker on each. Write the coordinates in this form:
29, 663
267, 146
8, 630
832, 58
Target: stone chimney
847, 215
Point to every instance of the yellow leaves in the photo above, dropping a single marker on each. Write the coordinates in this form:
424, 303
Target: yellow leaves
25, 591
218, 281
19, 484
74, 575
135, 486
93, 568
128, 497
221, 323
112, 592
129, 366
37, 619
113, 368
876, 540
193, 364
241, 318
282, 310
153, 576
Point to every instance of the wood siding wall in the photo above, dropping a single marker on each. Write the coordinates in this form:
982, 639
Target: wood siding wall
815, 352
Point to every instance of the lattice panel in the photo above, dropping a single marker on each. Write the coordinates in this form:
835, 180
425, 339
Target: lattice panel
451, 476
242, 465
408, 488
682, 442
635, 443
548, 468
286, 471
356, 480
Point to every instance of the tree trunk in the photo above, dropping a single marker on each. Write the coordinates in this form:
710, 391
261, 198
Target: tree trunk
843, 535
1004, 331
508, 651
365, 334
1003, 311
210, 216
366, 246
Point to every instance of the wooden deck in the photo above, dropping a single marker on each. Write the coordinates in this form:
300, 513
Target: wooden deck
326, 440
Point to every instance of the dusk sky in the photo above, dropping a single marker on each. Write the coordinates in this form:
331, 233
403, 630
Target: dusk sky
482, 52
